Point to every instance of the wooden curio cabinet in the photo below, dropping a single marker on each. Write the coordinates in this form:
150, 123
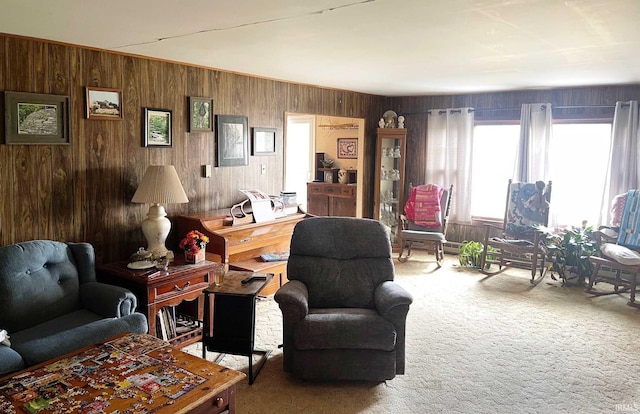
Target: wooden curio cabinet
389, 182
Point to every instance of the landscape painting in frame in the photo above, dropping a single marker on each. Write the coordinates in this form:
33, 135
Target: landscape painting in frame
200, 114
103, 103
33, 118
157, 128
233, 141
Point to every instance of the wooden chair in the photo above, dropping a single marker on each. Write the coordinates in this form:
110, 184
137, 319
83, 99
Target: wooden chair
414, 235
619, 255
521, 244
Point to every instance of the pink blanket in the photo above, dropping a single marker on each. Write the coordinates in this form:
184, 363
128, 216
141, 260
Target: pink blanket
423, 205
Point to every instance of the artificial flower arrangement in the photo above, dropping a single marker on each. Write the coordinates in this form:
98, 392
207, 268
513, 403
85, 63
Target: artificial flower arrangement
194, 245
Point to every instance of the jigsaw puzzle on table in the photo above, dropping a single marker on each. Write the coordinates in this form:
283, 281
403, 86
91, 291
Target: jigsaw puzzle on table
120, 376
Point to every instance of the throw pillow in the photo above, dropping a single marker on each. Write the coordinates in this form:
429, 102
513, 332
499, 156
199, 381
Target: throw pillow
4, 338
620, 254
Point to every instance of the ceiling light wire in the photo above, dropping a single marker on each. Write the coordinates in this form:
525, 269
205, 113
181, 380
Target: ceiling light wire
239, 26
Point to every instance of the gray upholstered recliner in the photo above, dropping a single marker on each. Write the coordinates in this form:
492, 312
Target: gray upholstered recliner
51, 304
343, 316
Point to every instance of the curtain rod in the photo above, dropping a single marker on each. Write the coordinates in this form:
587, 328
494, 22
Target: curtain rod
518, 109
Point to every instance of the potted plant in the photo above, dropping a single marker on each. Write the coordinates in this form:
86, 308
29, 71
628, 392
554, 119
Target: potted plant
470, 254
568, 252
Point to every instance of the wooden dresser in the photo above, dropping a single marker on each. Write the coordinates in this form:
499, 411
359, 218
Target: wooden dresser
240, 246
330, 199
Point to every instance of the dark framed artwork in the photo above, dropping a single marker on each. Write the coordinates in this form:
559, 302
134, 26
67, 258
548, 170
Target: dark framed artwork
347, 147
264, 141
200, 114
34, 118
233, 141
157, 128
103, 103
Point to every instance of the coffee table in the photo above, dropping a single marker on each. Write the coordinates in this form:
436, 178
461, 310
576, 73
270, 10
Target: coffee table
126, 374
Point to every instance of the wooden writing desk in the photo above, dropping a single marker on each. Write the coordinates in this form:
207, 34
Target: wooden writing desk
240, 246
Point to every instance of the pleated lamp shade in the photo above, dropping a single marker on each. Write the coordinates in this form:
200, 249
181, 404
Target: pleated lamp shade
160, 185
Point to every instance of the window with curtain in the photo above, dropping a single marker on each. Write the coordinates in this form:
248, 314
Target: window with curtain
577, 167
493, 159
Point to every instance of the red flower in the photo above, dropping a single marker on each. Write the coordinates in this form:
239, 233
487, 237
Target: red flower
193, 242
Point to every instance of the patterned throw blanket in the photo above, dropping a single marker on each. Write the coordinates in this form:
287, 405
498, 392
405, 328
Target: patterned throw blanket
423, 205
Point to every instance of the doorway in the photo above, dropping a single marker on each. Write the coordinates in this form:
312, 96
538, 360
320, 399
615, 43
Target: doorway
308, 134
299, 144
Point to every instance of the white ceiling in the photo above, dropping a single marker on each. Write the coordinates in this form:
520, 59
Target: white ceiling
384, 47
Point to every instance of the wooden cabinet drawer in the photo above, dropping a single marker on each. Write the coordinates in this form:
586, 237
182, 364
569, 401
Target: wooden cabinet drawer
329, 189
181, 286
347, 191
315, 189
218, 404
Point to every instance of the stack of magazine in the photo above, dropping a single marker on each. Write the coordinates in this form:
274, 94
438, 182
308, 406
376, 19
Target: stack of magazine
275, 257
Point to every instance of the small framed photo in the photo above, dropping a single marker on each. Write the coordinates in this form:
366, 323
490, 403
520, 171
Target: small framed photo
200, 114
157, 128
347, 147
103, 103
233, 141
34, 118
264, 141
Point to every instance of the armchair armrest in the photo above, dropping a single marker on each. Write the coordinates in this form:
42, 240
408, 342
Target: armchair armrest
107, 300
293, 299
390, 295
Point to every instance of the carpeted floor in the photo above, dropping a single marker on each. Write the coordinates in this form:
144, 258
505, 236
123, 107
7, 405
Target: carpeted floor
474, 345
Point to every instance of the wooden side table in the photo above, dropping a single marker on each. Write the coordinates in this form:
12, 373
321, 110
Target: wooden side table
182, 282
277, 269
230, 317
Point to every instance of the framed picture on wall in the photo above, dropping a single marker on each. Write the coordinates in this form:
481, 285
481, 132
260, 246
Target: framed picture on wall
103, 103
200, 114
34, 118
233, 141
264, 141
347, 147
157, 128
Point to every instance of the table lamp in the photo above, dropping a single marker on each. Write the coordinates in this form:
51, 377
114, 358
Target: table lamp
160, 185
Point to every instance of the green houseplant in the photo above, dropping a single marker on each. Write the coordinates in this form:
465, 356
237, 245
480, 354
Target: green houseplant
568, 252
470, 254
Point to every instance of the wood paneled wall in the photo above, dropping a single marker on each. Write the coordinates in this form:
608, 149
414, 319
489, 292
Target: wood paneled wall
83, 191
499, 105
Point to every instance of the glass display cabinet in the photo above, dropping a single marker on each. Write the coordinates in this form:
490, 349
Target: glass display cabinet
389, 183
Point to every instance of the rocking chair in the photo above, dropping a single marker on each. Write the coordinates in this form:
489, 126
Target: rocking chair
521, 244
425, 234
619, 252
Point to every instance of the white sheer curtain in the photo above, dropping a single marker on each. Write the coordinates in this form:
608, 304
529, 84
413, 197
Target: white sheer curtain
532, 163
449, 149
622, 171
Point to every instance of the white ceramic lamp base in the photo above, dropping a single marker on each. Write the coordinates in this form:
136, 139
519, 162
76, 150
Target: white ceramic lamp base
156, 228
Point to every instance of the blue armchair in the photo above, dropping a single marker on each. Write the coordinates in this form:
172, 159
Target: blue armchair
52, 305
